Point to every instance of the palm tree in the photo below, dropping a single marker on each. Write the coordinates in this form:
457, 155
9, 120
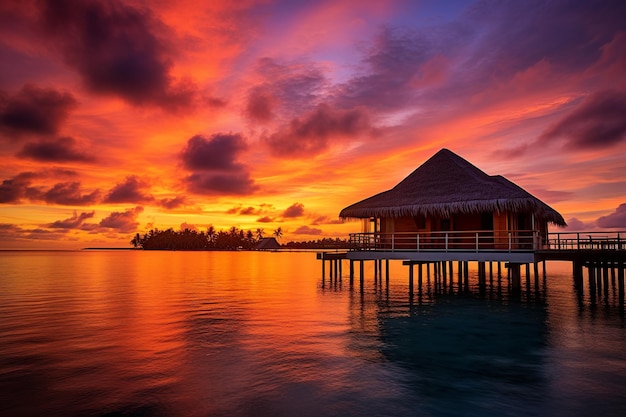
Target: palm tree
136, 242
259, 233
278, 233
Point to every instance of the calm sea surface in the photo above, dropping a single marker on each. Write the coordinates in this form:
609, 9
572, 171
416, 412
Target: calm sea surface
132, 333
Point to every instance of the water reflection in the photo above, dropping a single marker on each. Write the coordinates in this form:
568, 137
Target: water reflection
258, 334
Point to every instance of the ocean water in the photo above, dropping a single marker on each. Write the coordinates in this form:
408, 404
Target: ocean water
133, 333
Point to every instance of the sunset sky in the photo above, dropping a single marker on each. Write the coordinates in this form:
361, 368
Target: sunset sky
121, 116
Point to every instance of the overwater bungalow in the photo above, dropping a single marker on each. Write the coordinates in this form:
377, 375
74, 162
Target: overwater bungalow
447, 205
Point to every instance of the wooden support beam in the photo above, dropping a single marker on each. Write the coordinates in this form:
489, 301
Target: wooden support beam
361, 272
387, 272
351, 271
620, 281
419, 278
340, 269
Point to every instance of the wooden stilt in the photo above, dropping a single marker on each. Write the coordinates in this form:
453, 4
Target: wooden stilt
387, 272
591, 269
419, 279
516, 279
620, 281
351, 272
361, 272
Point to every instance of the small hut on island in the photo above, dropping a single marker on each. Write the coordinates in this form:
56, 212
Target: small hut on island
267, 243
448, 203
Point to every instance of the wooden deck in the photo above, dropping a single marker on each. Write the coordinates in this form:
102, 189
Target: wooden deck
513, 249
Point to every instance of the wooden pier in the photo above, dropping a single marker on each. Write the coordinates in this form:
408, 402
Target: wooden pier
603, 254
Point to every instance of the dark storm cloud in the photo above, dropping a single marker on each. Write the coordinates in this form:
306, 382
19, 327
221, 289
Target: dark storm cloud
34, 110
229, 183
122, 221
617, 219
116, 50
132, 190
217, 153
73, 222
63, 149
311, 135
69, 194
599, 122
295, 210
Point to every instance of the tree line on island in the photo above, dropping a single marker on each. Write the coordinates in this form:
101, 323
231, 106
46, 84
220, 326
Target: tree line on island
231, 239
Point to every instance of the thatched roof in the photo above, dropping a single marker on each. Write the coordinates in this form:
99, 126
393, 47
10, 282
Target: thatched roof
447, 184
267, 243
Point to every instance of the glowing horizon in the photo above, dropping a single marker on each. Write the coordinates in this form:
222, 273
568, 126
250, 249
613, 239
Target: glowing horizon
118, 117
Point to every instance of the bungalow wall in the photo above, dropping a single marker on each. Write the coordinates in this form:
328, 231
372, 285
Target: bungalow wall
494, 230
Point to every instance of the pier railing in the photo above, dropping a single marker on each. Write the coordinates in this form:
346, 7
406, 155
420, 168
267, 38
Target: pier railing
450, 241
607, 241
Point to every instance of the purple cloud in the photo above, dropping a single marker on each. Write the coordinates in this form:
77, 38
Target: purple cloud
598, 122
617, 219
245, 211
16, 188
34, 110
235, 183
217, 153
306, 230
69, 194
295, 210
260, 105
326, 220
172, 203
73, 222
215, 165
312, 134
574, 224
287, 89
62, 149
122, 221
115, 49
21, 187
132, 190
